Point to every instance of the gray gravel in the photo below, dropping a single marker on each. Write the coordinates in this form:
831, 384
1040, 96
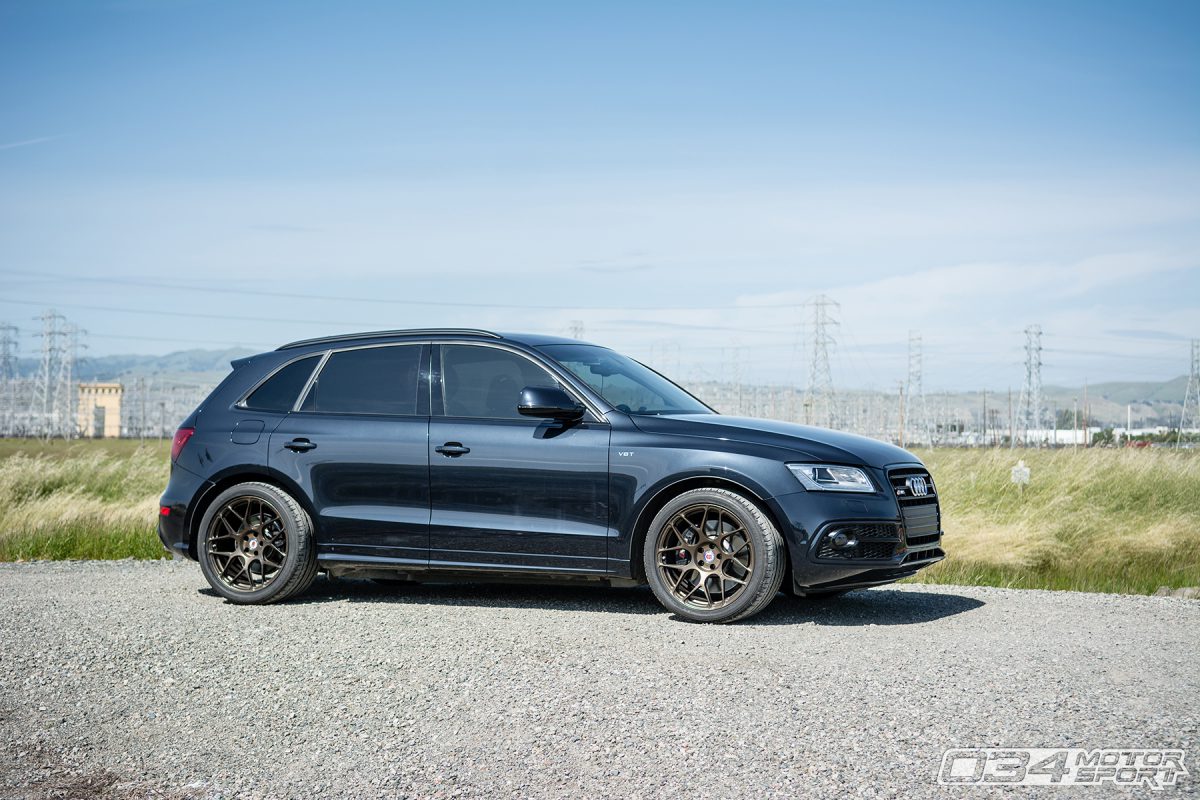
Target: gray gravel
127, 679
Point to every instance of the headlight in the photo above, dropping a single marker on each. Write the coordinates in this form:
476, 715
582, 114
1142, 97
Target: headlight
830, 478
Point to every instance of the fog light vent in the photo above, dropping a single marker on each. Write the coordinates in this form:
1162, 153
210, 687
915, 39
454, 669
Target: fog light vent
864, 541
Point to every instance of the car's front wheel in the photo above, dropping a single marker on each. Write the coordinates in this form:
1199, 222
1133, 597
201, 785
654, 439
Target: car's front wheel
256, 545
712, 555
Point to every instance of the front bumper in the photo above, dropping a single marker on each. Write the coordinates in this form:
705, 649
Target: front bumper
898, 539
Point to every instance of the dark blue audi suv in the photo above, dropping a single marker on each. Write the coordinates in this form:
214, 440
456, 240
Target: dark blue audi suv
454, 453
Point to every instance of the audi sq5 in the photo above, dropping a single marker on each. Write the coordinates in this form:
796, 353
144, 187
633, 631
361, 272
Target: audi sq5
465, 454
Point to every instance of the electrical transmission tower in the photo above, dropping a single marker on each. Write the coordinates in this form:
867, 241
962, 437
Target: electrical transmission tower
819, 402
66, 398
576, 329
1191, 395
54, 390
1030, 407
44, 384
8, 379
918, 413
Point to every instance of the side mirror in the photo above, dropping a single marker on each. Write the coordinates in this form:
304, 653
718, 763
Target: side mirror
548, 403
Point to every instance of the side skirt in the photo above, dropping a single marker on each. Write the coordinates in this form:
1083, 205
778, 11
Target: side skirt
359, 567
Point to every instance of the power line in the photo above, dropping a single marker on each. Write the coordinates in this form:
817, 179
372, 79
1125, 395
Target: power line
195, 314
358, 323
176, 287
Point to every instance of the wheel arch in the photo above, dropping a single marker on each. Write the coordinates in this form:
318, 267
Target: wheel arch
667, 493
211, 491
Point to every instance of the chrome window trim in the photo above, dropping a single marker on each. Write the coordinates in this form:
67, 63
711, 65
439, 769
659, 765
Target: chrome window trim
311, 380
560, 374
240, 404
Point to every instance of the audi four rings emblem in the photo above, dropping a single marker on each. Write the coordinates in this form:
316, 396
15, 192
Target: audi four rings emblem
918, 486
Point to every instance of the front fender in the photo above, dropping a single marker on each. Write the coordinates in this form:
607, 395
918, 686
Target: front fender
646, 469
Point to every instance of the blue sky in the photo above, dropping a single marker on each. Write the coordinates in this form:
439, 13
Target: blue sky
679, 177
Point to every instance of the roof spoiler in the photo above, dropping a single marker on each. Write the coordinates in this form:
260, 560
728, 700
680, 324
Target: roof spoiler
238, 363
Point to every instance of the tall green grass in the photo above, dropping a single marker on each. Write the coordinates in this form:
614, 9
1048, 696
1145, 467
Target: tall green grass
1091, 520
80, 500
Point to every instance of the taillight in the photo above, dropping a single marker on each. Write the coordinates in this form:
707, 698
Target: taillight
181, 438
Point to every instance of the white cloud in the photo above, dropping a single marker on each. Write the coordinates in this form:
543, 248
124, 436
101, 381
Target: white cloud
28, 142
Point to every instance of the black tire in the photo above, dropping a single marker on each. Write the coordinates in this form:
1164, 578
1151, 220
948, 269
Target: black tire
757, 532
289, 525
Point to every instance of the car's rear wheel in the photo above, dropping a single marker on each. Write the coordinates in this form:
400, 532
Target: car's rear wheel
256, 545
712, 555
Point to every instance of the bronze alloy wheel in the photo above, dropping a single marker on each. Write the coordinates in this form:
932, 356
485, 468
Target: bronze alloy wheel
705, 556
247, 544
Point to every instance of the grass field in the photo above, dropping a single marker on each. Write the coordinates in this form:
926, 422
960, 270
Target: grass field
81, 499
1092, 520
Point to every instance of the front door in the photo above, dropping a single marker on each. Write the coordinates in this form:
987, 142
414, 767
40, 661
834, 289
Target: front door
507, 490
358, 447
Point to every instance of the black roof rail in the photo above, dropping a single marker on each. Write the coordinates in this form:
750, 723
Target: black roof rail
347, 337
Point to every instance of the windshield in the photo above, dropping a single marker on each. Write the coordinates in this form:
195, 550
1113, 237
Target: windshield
623, 382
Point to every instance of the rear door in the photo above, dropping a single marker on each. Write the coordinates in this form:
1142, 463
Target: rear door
358, 447
507, 490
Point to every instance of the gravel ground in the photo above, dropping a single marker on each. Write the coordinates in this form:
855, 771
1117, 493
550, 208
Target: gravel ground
128, 679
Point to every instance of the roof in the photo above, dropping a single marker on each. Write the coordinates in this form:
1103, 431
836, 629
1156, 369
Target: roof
530, 339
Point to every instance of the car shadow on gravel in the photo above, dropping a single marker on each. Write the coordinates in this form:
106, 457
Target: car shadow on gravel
560, 597
856, 608
867, 607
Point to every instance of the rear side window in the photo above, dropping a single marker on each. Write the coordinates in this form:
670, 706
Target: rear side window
373, 380
280, 391
486, 382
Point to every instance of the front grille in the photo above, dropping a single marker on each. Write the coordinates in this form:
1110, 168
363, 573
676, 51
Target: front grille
922, 515
876, 542
899, 479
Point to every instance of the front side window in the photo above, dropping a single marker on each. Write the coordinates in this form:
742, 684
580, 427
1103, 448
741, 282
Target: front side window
486, 382
627, 385
372, 380
280, 391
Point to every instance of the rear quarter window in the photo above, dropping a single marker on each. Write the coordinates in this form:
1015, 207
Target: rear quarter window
280, 391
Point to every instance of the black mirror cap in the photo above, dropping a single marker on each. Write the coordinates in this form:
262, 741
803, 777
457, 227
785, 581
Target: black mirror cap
546, 402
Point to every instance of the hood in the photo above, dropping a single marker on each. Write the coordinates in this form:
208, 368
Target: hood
814, 444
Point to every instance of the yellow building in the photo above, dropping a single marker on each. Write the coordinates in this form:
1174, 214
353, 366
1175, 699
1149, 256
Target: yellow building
99, 414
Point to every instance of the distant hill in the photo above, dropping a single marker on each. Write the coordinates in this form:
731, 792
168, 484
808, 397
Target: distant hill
1126, 392
201, 362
